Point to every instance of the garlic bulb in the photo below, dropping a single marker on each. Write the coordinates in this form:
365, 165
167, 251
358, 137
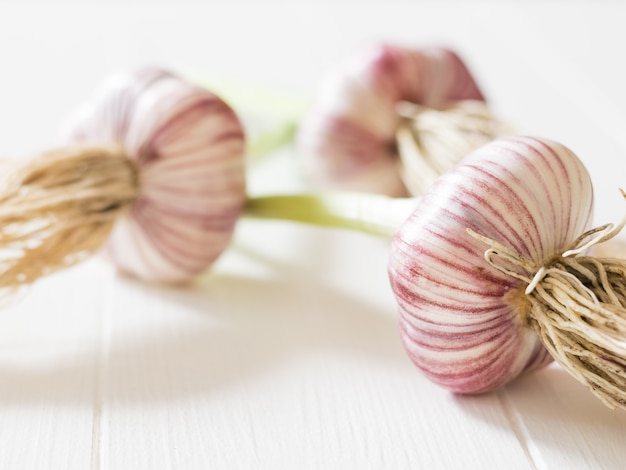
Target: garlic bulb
472, 320
348, 139
489, 267
188, 146
152, 167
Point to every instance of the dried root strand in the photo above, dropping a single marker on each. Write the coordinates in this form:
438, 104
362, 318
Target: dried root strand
59, 208
430, 141
577, 306
579, 312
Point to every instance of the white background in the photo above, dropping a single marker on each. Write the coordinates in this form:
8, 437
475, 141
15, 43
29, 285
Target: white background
287, 355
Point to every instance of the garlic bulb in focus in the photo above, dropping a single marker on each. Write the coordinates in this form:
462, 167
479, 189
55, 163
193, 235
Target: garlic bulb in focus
490, 268
348, 139
188, 146
463, 323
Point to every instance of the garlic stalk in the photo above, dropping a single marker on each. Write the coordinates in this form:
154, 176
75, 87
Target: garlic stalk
268, 142
356, 136
151, 169
369, 213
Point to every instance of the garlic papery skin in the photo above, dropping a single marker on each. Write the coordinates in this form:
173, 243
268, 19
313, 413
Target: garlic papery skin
347, 139
464, 323
188, 146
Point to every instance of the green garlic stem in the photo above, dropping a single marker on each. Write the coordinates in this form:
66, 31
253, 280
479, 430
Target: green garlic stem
270, 141
368, 213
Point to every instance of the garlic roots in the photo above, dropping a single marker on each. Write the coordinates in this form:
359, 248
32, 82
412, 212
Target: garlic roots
473, 320
151, 169
348, 140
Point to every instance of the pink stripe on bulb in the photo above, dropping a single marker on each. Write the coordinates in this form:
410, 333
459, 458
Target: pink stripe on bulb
189, 145
531, 195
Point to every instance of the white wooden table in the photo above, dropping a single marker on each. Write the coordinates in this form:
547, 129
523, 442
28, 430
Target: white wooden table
287, 354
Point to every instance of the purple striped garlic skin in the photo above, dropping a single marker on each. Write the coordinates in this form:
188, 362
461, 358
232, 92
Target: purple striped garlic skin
459, 324
189, 148
347, 139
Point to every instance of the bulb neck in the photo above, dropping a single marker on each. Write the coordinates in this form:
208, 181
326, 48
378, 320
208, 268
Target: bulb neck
577, 306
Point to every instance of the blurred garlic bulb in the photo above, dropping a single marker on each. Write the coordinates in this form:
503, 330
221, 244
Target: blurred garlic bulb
188, 146
354, 133
152, 168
